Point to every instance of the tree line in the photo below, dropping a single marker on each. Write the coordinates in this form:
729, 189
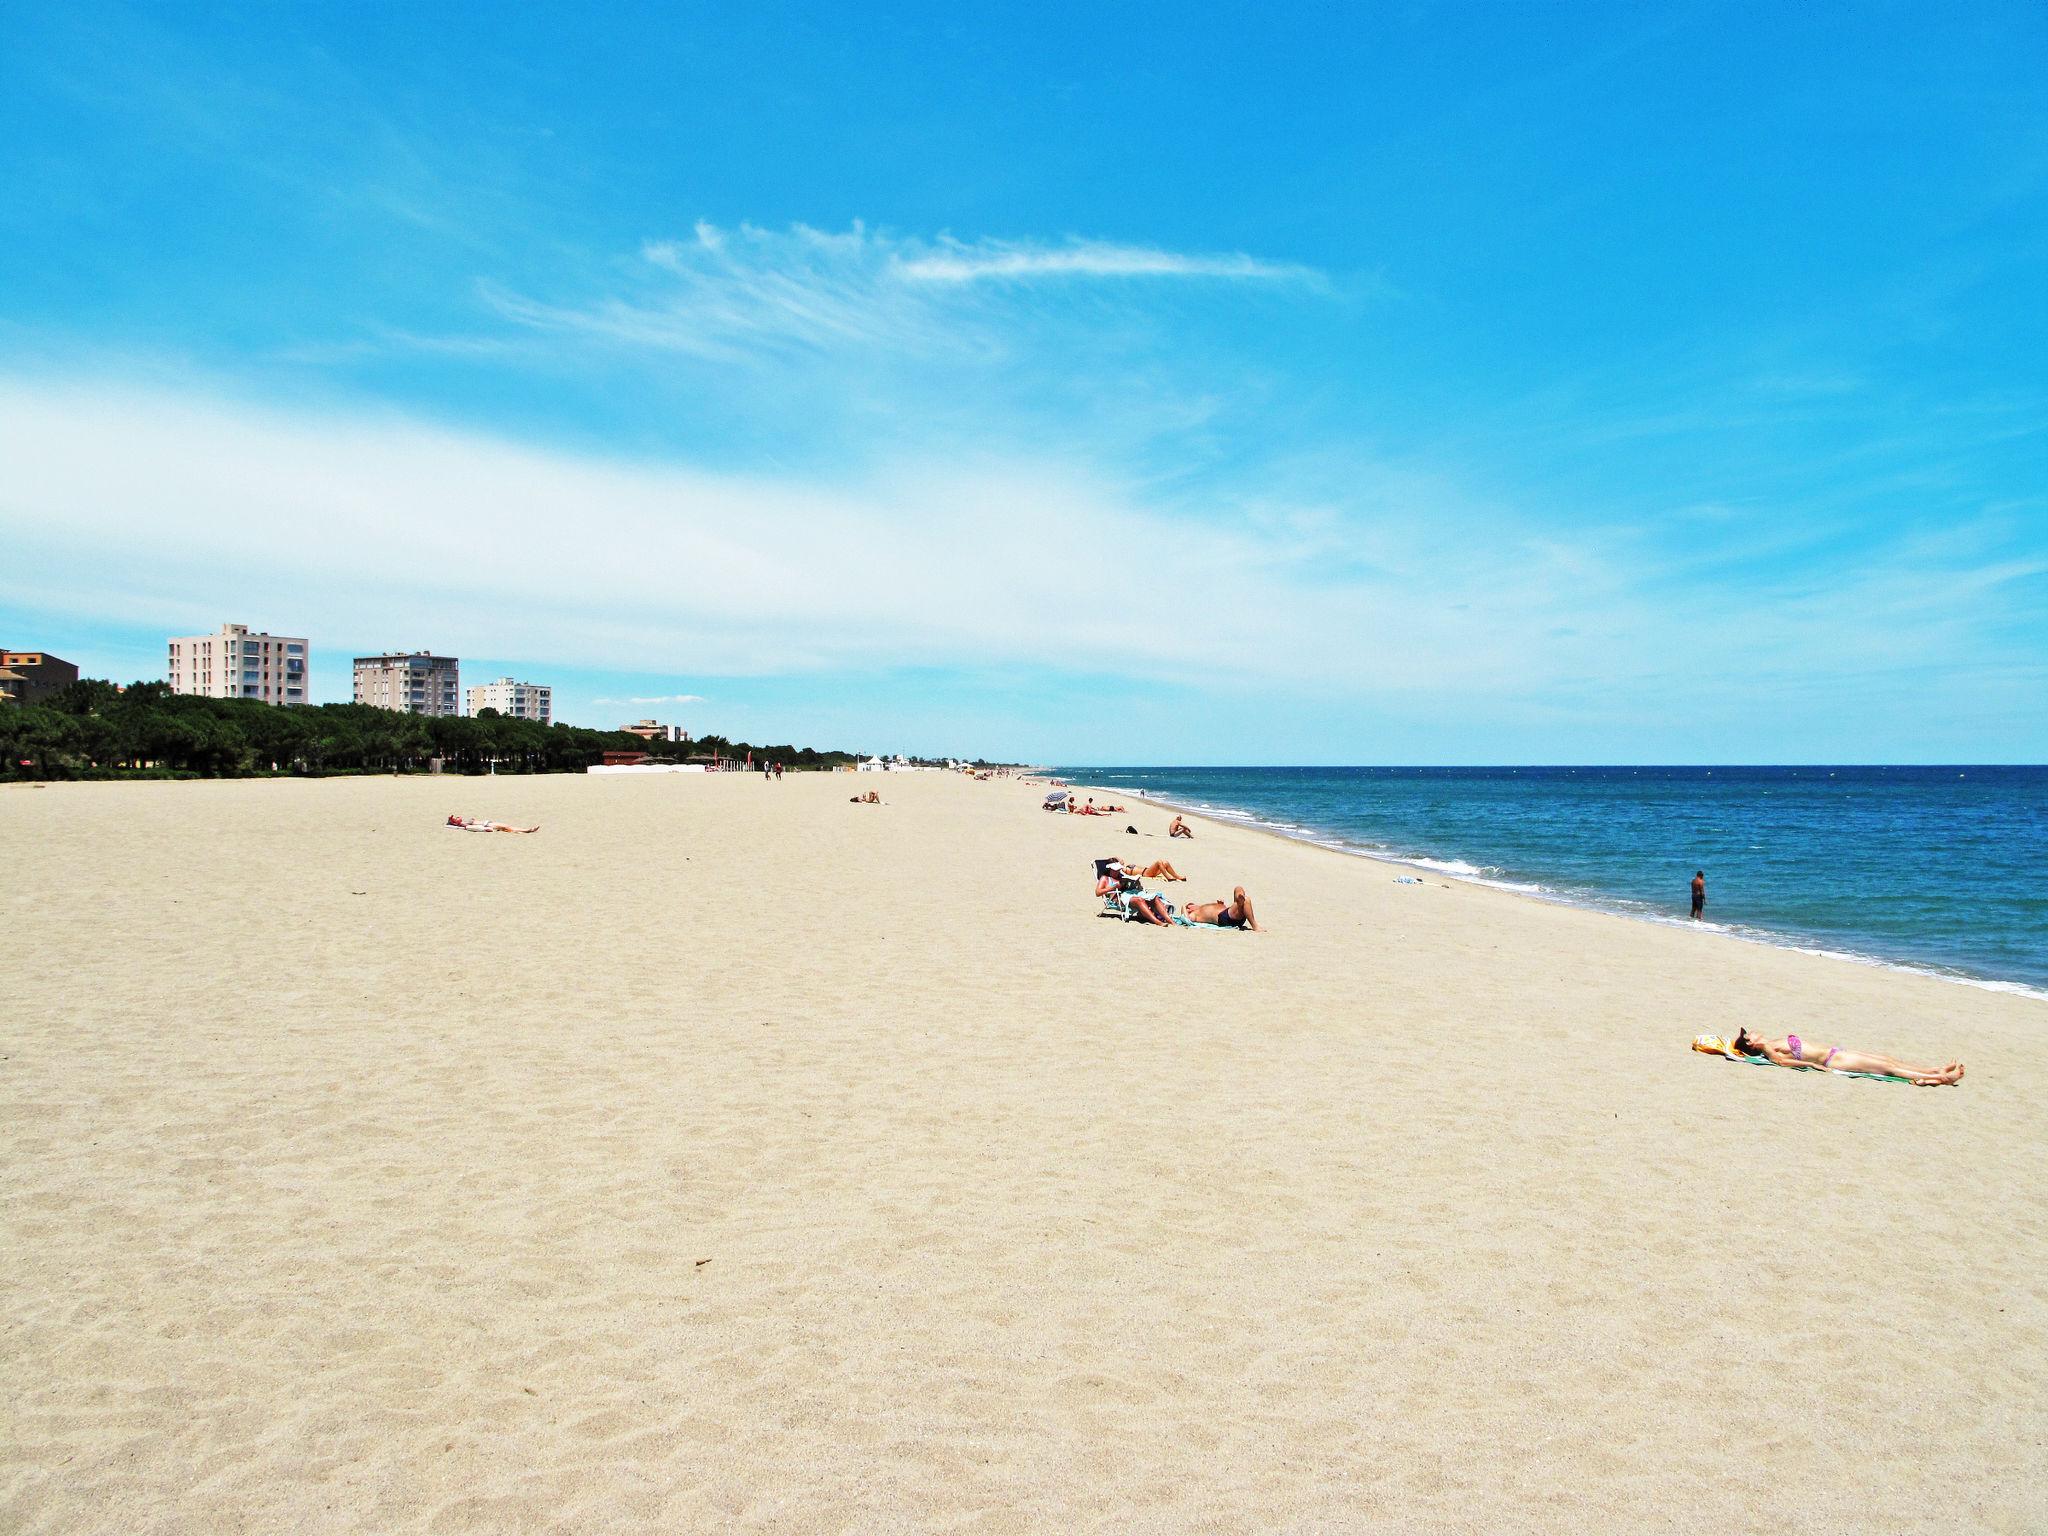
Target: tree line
93, 729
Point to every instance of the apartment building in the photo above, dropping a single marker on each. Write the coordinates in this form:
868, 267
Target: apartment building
519, 701
240, 663
27, 676
412, 682
654, 730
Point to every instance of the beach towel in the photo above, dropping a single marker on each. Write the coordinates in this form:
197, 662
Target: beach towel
1720, 1045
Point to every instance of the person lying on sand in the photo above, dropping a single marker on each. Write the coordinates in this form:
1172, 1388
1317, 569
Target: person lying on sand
1234, 913
1791, 1051
471, 824
1158, 869
1179, 829
872, 797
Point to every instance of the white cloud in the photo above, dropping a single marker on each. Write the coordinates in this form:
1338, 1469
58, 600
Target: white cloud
726, 294
954, 261
161, 506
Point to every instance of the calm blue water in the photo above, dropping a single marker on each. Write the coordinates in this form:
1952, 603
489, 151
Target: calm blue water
1944, 869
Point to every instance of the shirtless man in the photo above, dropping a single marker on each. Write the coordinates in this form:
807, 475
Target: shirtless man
1699, 893
1179, 829
1234, 913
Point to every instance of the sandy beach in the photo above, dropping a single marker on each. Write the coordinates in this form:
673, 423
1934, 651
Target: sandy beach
727, 1156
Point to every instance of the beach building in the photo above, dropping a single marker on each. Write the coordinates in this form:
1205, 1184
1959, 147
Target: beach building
411, 682
654, 730
241, 663
27, 676
518, 701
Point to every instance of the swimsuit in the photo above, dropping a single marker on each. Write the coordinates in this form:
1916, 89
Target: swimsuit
1225, 920
1799, 1053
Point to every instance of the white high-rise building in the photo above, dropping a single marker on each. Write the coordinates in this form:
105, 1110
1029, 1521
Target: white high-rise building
520, 701
412, 682
239, 664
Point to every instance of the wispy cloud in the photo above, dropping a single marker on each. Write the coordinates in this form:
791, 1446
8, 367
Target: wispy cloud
659, 698
955, 261
726, 294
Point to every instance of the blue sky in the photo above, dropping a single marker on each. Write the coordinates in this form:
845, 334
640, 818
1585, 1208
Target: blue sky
1412, 383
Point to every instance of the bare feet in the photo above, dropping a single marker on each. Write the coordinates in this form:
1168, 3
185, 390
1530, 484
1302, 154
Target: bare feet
1947, 1076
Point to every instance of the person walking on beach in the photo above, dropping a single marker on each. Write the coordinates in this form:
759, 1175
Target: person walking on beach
1699, 893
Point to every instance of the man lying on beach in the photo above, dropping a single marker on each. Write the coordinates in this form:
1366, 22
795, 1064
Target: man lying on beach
1179, 829
1234, 913
1791, 1051
472, 824
872, 797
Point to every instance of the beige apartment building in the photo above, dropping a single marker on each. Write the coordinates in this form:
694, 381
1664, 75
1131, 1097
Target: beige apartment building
240, 663
519, 701
412, 682
27, 676
654, 730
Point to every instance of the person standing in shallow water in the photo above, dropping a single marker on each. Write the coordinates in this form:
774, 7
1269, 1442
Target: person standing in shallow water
1699, 893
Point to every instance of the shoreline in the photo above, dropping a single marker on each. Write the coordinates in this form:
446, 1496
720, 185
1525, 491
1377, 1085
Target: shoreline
1766, 938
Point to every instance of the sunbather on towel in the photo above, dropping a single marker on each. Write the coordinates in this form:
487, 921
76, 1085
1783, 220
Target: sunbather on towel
1791, 1051
1234, 913
472, 824
1158, 869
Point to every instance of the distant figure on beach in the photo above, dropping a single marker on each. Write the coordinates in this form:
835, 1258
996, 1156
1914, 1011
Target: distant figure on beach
870, 798
1179, 829
1699, 893
472, 824
1234, 913
1791, 1051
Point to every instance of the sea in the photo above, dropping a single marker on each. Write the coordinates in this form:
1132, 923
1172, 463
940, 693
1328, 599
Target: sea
1939, 870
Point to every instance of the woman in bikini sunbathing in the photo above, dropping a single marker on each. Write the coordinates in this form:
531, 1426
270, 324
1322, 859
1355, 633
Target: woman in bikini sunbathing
1158, 869
1234, 913
473, 824
1791, 1051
